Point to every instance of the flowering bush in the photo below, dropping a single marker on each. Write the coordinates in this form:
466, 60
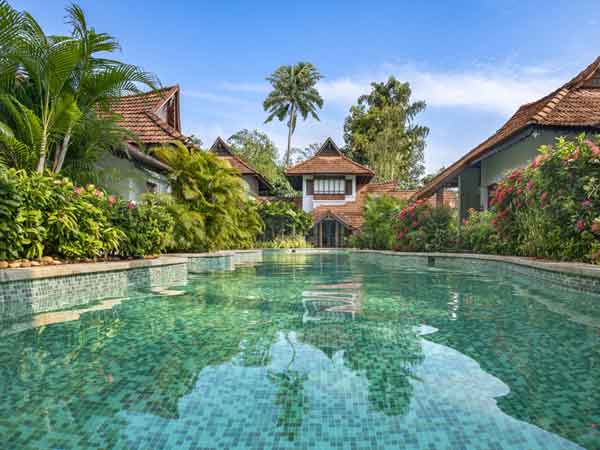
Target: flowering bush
381, 222
478, 234
47, 215
551, 208
422, 227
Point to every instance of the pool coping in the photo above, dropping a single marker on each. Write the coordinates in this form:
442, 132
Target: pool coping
65, 270
40, 272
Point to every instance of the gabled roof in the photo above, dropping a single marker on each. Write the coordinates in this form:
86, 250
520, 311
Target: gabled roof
575, 104
139, 114
329, 160
224, 152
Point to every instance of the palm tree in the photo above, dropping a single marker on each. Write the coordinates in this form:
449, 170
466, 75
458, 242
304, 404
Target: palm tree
96, 81
210, 187
60, 78
293, 92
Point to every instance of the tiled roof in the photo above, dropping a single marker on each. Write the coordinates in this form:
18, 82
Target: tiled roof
575, 104
224, 152
139, 115
329, 160
351, 213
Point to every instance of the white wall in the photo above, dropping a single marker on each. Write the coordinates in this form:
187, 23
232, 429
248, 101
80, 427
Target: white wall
122, 177
309, 203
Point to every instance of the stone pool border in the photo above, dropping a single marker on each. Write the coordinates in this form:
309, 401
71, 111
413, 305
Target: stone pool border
27, 291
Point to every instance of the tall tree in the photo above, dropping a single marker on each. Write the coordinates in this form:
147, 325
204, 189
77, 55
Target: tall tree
380, 131
61, 78
258, 149
293, 93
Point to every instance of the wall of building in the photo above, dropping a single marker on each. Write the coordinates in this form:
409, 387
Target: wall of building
121, 176
517, 154
251, 184
468, 191
309, 202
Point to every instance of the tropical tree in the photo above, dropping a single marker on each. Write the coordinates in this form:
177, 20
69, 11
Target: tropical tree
60, 78
380, 131
293, 93
210, 187
258, 149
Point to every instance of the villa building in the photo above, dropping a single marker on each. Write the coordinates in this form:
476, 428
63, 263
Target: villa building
153, 119
256, 184
334, 189
570, 110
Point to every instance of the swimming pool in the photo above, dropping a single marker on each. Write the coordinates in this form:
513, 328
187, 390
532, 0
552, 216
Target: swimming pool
327, 350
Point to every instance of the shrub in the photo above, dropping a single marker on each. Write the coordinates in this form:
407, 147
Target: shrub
422, 227
283, 219
479, 235
551, 208
48, 215
285, 242
381, 223
147, 226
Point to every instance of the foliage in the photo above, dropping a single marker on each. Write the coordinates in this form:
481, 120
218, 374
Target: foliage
55, 83
147, 227
293, 93
212, 189
380, 223
478, 234
422, 227
380, 131
258, 149
285, 242
48, 215
549, 209
283, 219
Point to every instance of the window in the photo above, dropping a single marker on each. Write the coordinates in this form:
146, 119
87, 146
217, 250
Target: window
151, 187
330, 186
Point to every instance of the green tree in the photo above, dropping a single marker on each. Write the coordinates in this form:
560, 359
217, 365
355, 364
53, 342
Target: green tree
210, 187
302, 154
60, 78
293, 93
380, 131
258, 149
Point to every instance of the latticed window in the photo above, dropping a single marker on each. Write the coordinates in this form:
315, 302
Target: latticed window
330, 185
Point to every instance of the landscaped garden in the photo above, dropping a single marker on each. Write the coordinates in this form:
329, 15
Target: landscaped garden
194, 312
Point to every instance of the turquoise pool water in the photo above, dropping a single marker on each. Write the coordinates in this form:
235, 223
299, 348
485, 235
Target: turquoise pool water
325, 351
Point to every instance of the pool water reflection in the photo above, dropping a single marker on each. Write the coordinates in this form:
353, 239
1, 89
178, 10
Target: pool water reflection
319, 351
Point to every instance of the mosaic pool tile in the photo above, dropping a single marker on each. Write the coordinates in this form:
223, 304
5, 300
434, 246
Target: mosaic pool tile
313, 351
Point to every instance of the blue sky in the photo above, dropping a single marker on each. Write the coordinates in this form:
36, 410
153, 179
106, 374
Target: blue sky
474, 63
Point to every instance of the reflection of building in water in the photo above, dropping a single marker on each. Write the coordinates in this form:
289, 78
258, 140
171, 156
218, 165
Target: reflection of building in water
337, 301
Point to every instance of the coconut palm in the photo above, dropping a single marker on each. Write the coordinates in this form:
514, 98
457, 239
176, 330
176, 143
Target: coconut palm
293, 93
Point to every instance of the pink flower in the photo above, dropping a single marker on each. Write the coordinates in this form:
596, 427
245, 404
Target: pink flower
130, 205
530, 185
543, 199
78, 190
586, 203
580, 225
400, 235
415, 223
112, 199
593, 147
98, 193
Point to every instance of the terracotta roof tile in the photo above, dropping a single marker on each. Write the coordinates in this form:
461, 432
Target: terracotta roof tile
329, 160
224, 152
139, 115
575, 104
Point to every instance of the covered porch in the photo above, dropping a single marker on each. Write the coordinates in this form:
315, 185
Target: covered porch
330, 231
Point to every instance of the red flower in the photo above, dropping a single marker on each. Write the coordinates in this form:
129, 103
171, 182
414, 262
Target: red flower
530, 185
112, 200
543, 199
78, 190
587, 202
130, 205
580, 225
415, 223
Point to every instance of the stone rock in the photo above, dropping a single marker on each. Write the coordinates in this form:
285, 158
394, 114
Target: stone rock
25, 263
14, 265
3, 264
47, 259
56, 262
35, 263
